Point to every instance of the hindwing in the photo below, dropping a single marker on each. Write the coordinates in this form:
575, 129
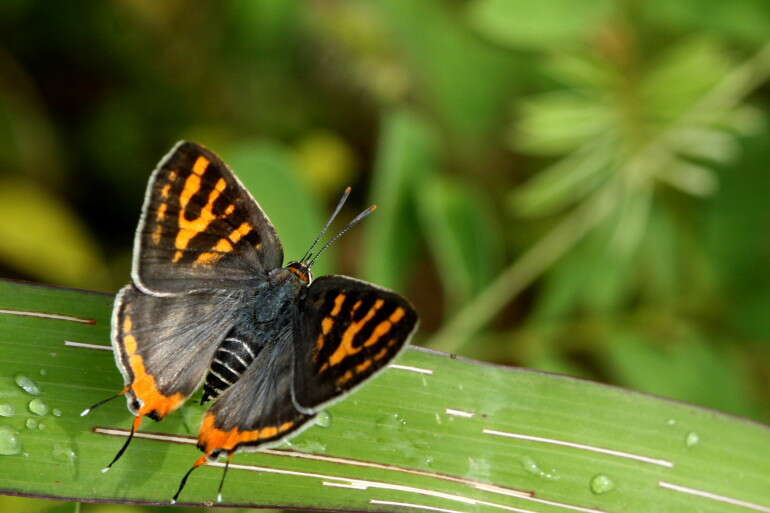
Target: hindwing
256, 411
163, 346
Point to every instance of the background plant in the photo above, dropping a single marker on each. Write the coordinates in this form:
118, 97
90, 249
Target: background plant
574, 186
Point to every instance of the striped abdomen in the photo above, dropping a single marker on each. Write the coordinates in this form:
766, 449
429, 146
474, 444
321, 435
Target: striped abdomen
230, 361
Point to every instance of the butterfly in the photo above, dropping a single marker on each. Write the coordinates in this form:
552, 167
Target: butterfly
210, 303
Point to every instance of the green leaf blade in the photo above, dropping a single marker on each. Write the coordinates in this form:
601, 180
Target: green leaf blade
432, 431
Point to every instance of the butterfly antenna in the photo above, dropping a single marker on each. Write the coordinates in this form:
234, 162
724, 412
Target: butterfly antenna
328, 223
134, 426
350, 225
200, 461
222, 482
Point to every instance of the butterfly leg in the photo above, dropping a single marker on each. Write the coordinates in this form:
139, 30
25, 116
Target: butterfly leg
134, 426
200, 461
224, 474
103, 401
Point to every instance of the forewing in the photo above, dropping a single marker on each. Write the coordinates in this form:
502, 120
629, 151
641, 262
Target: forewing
200, 228
256, 411
347, 331
164, 345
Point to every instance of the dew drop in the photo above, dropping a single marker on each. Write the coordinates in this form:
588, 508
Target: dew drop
7, 410
9, 441
533, 468
671, 422
313, 446
27, 384
43, 372
192, 417
56, 412
529, 465
31, 423
41, 426
63, 453
479, 469
391, 421
600, 483
692, 439
323, 419
38, 407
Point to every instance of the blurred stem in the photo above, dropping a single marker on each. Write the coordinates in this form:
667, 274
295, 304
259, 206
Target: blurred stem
521, 273
524, 271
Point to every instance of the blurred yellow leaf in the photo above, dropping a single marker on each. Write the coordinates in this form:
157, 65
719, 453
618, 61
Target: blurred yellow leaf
43, 238
326, 161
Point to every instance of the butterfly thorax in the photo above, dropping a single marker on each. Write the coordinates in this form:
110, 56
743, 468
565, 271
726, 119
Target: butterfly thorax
266, 318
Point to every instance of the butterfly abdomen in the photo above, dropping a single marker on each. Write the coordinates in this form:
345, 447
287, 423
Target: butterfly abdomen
230, 361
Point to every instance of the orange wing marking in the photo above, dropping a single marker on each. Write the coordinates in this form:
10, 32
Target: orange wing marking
189, 229
212, 438
161, 212
143, 385
201, 163
363, 366
326, 326
224, 245
346, 348
338, 304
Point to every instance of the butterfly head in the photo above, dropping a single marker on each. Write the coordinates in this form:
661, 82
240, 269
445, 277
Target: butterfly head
301, 270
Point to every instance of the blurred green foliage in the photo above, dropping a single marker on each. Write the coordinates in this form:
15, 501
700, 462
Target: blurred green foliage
573, 186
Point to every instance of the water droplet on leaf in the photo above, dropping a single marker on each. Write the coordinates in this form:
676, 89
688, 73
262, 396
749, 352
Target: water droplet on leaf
38, 407
692, 439
63, 453
192, 416
601, 484
307, 446
56, 412
7, 410
533, 468
27, 384
479, 469
323, 419
31, 423
9, 441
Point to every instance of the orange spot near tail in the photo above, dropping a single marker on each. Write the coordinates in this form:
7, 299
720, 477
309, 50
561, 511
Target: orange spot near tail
144, 385
212, 438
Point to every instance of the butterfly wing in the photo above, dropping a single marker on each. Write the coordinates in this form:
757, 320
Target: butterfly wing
163, 345
256, 411
348, 330
200, 228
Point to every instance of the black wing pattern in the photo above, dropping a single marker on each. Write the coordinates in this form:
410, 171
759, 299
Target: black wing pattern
200, 228
348, 331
